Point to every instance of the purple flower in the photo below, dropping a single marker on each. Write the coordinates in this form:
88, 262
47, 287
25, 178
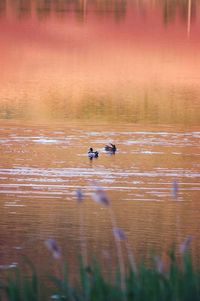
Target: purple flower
53, 248
159, 264
175, 189
119, 234
79, 195
185, 244
100, 196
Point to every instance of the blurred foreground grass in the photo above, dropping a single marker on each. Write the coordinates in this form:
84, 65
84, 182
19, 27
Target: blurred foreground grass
174, 279
178, 280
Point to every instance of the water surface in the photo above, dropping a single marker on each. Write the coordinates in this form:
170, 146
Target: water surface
43, 166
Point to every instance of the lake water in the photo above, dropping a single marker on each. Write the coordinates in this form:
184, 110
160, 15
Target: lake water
80, 74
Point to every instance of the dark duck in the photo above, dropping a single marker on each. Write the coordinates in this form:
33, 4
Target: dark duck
92, 154
111, 148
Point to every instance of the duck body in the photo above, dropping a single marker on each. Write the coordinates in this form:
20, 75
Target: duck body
110, 148
92, 154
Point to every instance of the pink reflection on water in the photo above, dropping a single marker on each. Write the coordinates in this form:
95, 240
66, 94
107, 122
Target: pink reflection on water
63, 57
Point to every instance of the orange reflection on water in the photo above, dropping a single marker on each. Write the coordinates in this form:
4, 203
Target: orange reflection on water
43, 165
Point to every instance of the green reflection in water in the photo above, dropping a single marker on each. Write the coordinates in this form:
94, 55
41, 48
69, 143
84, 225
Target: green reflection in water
168, 107
116, 9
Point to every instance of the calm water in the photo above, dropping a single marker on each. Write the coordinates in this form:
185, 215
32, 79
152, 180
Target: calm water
76, 74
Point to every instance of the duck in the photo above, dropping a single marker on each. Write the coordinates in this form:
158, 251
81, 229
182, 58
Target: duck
92, 154
110, 148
